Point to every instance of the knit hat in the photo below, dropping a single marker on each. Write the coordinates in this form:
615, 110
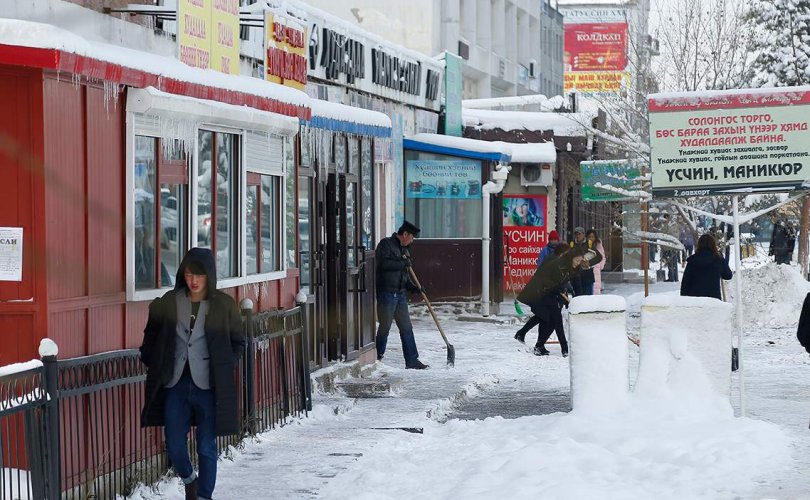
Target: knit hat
579, 229
553, 236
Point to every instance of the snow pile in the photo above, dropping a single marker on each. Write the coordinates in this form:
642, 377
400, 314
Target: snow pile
772, 296
563, 124
685, 351
599, 354
630, 455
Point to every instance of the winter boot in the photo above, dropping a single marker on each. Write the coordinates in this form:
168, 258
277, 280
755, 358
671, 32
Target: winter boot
541, 351
191, 490
521, 337
565, 354
417, 365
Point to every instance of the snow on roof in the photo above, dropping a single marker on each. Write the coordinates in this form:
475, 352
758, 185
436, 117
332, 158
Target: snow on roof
337, 111
546, 104
563, 124
44, 36
541, 152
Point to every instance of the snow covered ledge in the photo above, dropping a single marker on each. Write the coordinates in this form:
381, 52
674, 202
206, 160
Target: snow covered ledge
599, 366
685, 347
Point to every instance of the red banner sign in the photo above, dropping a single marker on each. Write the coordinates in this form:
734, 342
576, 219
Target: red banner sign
524, 235
595, 47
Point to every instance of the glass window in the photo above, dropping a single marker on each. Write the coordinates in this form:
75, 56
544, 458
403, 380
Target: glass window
290, 208
159, 212
351, 222
263, 223
340, 153
304, 225
443, 195
354, 156
367, 194
217, 208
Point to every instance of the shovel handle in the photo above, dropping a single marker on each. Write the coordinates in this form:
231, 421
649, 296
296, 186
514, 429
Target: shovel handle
430, 307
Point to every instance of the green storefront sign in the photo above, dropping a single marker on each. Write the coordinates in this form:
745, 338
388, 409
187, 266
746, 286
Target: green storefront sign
452, 94
621, 174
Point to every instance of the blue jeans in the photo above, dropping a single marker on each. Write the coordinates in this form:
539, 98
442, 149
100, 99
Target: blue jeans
182, 401
393, 306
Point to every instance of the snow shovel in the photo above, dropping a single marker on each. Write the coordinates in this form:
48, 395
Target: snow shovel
451, 351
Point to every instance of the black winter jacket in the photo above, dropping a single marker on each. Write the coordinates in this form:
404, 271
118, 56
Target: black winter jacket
548, 282
783, 240
392, 266
224, 334
803, 332
701, 278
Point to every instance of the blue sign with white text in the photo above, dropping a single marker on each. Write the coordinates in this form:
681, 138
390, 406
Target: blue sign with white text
446, 179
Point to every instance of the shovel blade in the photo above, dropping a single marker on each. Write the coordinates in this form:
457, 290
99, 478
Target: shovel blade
451, 355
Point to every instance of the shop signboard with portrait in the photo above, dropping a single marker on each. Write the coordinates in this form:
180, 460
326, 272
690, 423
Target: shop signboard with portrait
524, 235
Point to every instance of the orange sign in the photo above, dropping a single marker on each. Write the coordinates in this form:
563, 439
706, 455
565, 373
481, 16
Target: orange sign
285, 42
208, 34
225, 42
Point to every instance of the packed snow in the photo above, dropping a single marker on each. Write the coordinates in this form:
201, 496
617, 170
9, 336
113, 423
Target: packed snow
563, 124
498, 424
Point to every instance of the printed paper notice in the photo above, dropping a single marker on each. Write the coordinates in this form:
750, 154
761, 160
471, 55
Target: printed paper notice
11, 255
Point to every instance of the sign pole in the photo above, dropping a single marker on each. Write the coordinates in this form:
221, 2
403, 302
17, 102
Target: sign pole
738, 301
645, 247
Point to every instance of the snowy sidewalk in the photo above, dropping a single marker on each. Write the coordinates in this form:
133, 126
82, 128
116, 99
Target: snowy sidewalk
422, 441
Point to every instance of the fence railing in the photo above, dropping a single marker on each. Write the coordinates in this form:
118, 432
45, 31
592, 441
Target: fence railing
71, 428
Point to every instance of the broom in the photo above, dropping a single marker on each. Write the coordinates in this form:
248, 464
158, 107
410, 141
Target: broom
518, 309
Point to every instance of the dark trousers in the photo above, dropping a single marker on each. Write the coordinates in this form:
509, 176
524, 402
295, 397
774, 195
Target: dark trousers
392, 307
582, 285
782, 258
553, 316
183, 401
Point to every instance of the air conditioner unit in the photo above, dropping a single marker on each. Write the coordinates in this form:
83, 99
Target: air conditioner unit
532, 69
536, 175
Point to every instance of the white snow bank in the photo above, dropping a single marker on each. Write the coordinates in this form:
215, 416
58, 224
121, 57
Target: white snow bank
599, 355
597, 303
772, 296
19, 367
685, 352
337, 111
46, 36
638, 453
545, 103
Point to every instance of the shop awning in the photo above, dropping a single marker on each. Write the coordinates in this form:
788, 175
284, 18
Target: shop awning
341, 118
153, 101
459, 146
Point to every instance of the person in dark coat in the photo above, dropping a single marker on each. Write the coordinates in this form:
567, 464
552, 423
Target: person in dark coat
583, 281
704, 269
783, 240
191, 346
803, 332
544, 294
393, 261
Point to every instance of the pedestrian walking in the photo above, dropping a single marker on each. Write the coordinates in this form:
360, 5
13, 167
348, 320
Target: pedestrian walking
191, 346
548, 250
688, 242
671, 256
544, 294
583, 282
594, 243
783, 241
803, 332
704, 269
393, 262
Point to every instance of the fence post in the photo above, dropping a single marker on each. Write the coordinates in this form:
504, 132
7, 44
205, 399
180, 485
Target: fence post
249, 368
301, 299
48, 352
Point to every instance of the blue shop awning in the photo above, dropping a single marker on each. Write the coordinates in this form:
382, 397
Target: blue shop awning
458, 146
349, 119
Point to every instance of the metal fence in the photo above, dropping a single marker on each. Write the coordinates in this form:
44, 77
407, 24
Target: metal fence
71, 428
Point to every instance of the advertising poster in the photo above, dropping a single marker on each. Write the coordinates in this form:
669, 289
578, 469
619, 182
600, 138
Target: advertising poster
286, 45
444, 179
622, 174
225, 42
194, 32
11, 254
595, 56
524, 235
730, 141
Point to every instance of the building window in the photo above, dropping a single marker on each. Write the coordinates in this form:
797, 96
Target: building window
443, 195
263, 203
367, 193
217, 202
290, 207
160, 198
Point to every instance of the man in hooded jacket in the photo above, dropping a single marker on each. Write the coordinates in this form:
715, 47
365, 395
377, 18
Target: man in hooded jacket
191, 346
